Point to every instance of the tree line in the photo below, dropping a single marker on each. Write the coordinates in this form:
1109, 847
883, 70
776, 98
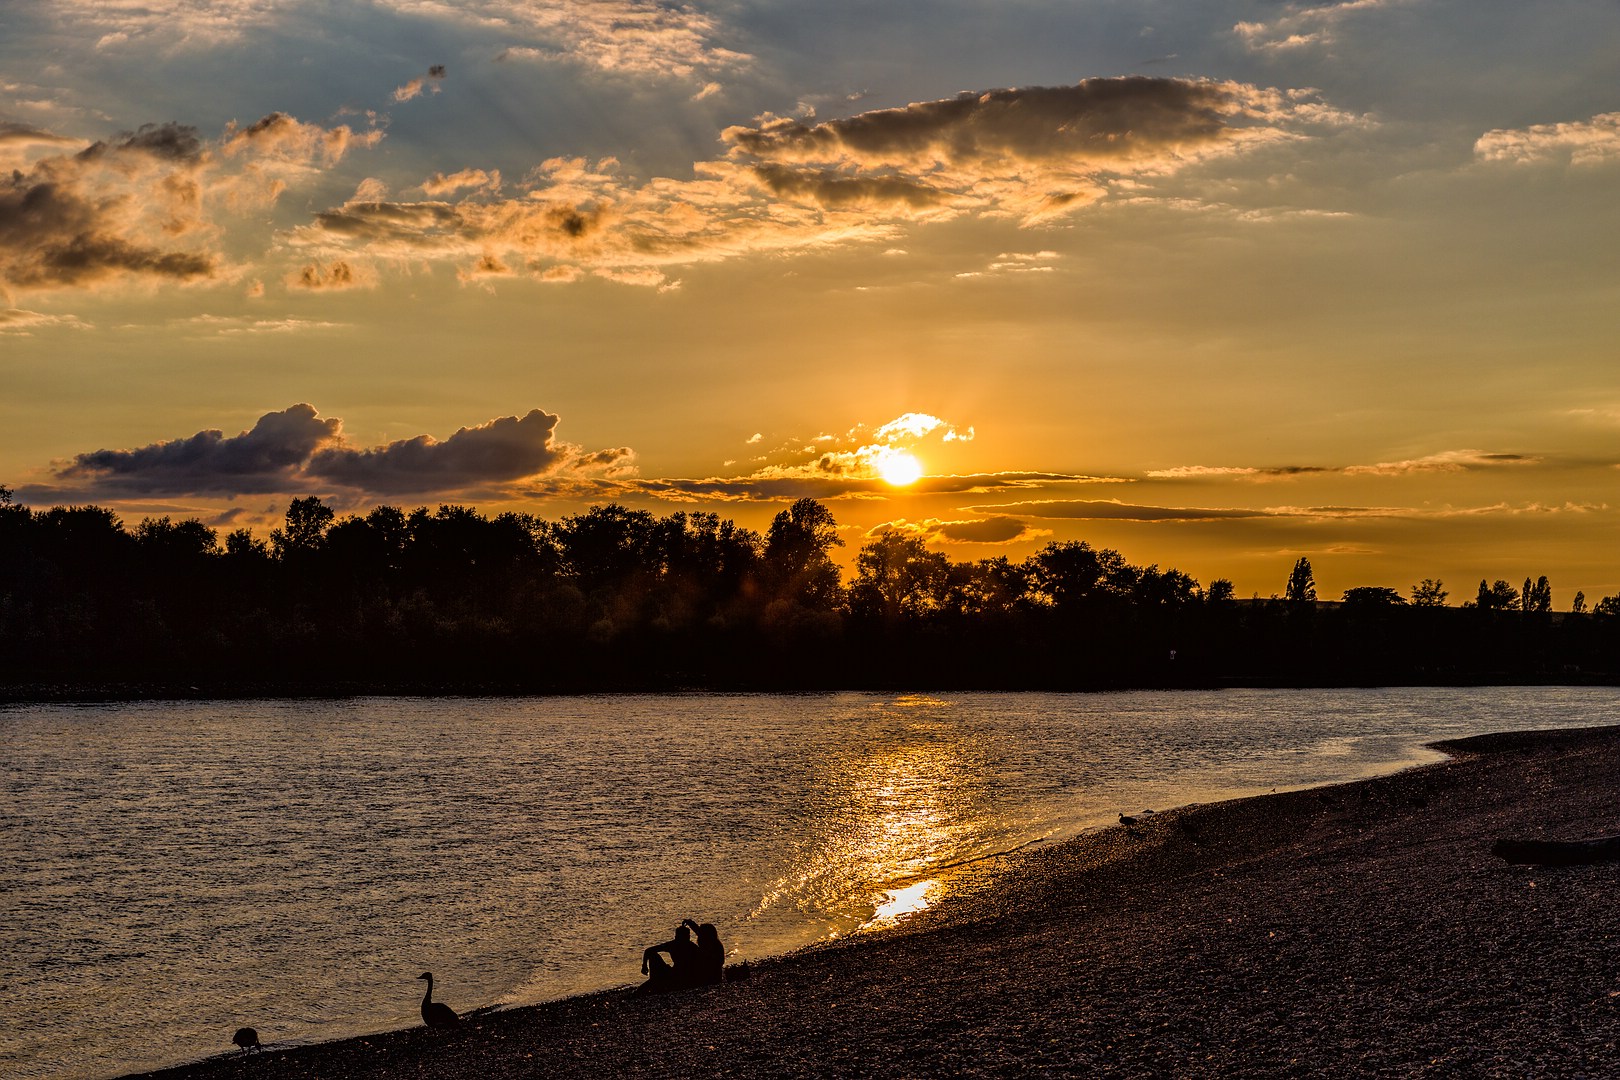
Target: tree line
615, 598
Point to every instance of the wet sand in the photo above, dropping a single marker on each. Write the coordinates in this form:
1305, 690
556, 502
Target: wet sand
1362, 929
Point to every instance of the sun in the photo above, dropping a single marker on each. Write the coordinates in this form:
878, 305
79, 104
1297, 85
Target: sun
899, 469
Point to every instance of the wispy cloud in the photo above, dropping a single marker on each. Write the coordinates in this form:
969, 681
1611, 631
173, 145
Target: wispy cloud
1443, 461
18, 321
1113, 510
624, 37
635, 37
415, 87
1305, 25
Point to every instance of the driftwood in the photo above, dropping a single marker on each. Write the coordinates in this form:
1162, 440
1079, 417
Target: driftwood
1601, 849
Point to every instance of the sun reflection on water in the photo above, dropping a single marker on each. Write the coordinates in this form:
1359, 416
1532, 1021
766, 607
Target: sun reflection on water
885, 818
904, 901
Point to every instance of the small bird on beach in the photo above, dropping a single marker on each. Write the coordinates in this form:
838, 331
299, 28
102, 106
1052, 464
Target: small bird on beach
246, 1038
436, 1014
1126, 819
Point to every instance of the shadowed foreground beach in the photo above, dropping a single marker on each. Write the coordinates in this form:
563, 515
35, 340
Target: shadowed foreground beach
1361, 929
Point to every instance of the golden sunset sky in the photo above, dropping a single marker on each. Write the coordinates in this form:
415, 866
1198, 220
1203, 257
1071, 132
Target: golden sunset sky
1217, 284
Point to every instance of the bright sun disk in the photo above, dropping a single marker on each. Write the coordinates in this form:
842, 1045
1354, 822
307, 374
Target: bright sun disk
900, 469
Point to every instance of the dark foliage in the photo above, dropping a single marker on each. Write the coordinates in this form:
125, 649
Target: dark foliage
450, 600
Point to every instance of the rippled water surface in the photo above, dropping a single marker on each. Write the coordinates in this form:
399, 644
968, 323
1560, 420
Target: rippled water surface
174, 870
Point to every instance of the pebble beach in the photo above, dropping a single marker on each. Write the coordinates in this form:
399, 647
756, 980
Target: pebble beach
1363, 929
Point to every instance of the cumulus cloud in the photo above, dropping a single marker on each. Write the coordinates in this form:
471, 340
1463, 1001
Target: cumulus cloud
267, 457
147, 204
503, 449
1579, 143
296, 450
790, 185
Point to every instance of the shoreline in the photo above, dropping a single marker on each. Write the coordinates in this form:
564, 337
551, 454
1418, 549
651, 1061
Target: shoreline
67, 693
1356, 928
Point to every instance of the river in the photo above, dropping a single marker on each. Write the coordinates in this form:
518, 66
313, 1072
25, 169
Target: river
174, 870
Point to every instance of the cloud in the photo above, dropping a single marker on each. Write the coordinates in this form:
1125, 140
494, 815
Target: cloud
1305, 25
18, 141
227, 326
1444, 461
473, 179
813, 481
1028, 152
24, 323
1113, 510
185, 23
990, 530
337, 275
266, 458
1581, 143
147, 205
504, 449
296, 450
629, 37
786, 185
414, 88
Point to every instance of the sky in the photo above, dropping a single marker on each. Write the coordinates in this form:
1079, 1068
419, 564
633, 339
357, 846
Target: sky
1216, 284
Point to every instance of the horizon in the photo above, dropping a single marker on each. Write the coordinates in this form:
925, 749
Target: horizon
1214, 286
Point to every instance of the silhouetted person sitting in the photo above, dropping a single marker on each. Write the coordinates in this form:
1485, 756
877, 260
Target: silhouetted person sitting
677, 971
711, 955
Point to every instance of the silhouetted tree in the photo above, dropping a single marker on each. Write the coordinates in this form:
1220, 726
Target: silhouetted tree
306, 523
1301, 586
896, 576
1536, 598
1073, 575
1497, 596
797, 559
1578, 605
1428, 593
1220, 592
1373, 596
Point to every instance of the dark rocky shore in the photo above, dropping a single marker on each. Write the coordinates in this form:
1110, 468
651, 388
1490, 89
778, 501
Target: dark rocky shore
1357, 930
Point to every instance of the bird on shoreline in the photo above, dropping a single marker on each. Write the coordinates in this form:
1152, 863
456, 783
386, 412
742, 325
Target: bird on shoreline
436, 1014
246, 1038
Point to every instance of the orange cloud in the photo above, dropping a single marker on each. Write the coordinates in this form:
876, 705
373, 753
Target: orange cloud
147, 204
1580, 143
787, 185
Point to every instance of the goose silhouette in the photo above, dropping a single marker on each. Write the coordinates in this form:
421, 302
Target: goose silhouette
436, 1014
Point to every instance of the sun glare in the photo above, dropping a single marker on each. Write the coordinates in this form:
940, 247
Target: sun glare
900, 469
